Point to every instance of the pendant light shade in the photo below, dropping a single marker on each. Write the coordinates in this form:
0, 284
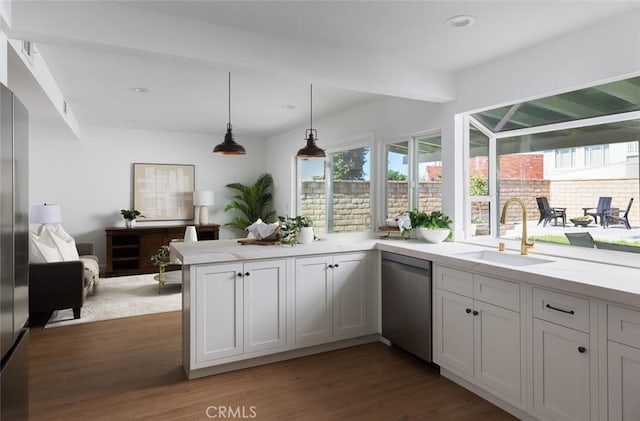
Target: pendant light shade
228, 145
311, 150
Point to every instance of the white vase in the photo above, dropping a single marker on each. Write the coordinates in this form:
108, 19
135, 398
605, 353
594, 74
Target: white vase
305, 236
129, 223
433, 235
190, 234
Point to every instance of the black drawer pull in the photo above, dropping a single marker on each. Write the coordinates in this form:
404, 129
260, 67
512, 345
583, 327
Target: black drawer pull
582, 349
331, 266
337, 265
475, 312
239, 274
468, 310
560, 309
247, 274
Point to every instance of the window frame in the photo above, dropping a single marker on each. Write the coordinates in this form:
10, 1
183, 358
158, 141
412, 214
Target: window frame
355, 142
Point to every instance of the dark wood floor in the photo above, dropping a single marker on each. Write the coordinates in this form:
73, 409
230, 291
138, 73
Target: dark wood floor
129, 369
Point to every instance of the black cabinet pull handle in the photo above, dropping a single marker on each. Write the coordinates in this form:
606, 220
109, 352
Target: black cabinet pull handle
475, 312
247, 274
560, 309
240, 274
331, 266
336, 265
468, 310
582, 349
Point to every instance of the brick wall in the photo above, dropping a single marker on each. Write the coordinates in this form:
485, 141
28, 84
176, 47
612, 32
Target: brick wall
576, 194
352, 201
517, 167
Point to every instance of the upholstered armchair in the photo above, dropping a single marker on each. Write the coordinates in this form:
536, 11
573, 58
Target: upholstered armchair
62, 285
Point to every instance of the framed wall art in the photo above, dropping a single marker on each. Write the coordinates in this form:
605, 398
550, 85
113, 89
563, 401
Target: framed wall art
163, 192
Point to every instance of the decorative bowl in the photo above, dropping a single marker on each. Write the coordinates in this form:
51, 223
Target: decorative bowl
433, 236
581, 221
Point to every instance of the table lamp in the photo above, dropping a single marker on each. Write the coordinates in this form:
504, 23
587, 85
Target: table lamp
45, 214
203, 198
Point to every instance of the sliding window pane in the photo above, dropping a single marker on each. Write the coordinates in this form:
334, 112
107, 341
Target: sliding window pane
397, 178
350, 190
430, 173
313, 191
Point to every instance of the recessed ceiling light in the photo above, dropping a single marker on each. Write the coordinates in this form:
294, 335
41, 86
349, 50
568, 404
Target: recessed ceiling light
140, 90
460, 21
288, 107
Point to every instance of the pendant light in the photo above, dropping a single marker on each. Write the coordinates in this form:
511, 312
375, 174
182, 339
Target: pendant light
311, 150
229, 146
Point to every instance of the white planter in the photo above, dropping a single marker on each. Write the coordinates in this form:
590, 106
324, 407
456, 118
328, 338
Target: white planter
433, 236
129, 223
305, 236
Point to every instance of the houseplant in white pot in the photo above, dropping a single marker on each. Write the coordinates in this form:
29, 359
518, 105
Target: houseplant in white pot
296, 230
433, 227
130, 216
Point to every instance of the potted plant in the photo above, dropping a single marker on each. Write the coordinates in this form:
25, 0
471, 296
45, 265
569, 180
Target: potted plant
433, 227
130, 216
296, 230
252, 202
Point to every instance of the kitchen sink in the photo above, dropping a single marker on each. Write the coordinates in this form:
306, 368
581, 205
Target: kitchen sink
504, 258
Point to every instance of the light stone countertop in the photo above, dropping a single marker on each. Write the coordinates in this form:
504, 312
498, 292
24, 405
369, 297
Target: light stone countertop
608, 282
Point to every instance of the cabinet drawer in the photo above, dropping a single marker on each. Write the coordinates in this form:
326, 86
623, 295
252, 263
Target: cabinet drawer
454, 280
562, 309
623, 325
496, 291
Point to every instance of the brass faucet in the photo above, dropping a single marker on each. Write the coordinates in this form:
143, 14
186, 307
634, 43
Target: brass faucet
524, 244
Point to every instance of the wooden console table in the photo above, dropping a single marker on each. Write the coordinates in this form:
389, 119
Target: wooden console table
129, 250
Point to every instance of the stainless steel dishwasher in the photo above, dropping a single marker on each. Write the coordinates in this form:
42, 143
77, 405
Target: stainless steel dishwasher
406, 303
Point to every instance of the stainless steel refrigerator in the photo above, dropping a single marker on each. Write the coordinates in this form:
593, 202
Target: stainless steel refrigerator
14, 257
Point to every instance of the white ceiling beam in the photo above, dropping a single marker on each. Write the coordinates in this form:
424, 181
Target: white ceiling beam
117, 26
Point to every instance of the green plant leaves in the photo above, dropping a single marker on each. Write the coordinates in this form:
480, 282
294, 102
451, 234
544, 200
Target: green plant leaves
252, 202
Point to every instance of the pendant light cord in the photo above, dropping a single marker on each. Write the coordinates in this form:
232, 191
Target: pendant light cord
229, 98
311, 107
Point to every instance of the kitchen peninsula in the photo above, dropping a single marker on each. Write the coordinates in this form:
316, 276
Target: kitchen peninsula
251, 305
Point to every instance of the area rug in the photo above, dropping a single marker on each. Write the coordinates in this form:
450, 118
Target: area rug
123, 296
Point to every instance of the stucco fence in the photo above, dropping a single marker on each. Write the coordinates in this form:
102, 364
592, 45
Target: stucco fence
352, 199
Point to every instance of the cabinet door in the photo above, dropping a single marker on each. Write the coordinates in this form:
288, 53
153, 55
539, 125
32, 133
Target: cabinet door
218, 312
313, 300
561, 375
264, 305
149, 245
624, 382
454, 332
349, 294
497, 348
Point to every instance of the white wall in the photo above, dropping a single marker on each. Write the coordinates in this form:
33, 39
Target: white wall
91, 179
386, 119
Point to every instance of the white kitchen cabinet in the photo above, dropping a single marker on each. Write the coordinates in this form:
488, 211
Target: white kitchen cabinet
219, 312
240, 308
561, 372
624, 382
350, 294
313, 300
264, 286
331, 297
623, 363
475, 337
454, 330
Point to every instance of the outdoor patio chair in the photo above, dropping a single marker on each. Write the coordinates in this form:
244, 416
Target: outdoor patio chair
580, 239
604, 206
547, 213
616, 219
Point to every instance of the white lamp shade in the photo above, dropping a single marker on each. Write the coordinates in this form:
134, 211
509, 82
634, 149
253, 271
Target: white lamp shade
203, 198
45, 214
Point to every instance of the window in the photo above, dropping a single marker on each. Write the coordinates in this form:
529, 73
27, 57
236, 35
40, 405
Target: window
596, 155
565, 158
414, 175
335, 192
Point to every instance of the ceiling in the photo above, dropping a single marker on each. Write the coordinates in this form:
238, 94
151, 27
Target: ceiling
352, 52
